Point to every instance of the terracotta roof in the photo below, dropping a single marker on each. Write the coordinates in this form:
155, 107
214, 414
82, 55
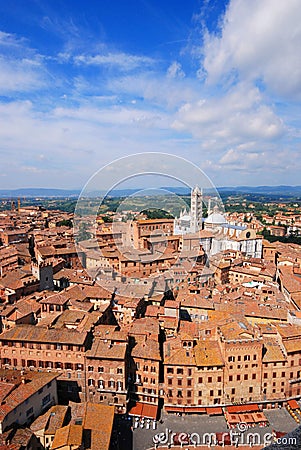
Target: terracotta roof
148, 349
237, 330
287, 330
145, 326
55, 299
31, 333
35, 381
105, 350
68, 436
99, 419
292, 345
194, 300
179, 356
51, 420
272, 351
207, 353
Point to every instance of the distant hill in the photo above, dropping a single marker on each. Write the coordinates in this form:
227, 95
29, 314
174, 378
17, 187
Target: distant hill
38, 192
265, 190
229, 190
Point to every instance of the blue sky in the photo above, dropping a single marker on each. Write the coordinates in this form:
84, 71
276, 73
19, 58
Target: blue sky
83, 83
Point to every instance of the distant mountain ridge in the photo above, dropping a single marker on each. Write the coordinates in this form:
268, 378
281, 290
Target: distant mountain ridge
49, 192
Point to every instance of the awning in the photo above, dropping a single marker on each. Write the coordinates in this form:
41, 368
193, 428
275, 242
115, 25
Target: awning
232, 418
293, 404
246, 418
216, 411
149, 411
195, 409
136, 410
259, 417
174, 409
185, 409
240, 409
144, 410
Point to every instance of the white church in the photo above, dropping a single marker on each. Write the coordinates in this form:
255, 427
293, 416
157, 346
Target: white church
215, 233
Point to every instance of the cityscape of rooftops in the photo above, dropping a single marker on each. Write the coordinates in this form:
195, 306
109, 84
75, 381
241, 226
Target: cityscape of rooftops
150, 224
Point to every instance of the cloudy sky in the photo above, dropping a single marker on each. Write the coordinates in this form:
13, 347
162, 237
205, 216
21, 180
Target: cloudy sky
215, 81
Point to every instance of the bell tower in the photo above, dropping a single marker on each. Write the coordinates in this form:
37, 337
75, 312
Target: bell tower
196, 209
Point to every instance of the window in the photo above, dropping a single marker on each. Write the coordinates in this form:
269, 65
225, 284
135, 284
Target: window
46, 400
254, 357
90, 368
170, 393
101, 384
179, 371
90, 382
169, 370
169, 381
253, 376
179, 394
250, 389
200, 380
189, 372
247, 358
211, 393
189, 382
100, 369
274, 375
29, 412
233, 391
119, 370
265, 375
200, 393
239, 358
246, 376
230, 377
209, 379
219, 392
231, 359
189, 393
179, 382
219, 379
238, 378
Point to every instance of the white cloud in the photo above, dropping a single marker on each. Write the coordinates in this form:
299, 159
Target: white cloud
260, 40
21, 68
236, 117
175, 70
123, 61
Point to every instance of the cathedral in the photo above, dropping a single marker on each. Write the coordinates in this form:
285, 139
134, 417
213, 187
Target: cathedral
191, 222
224, 236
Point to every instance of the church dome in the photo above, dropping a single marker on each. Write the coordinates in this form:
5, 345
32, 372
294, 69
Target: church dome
216, 219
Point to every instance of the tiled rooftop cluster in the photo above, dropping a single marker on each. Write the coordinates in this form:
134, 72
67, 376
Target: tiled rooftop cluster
228, 332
